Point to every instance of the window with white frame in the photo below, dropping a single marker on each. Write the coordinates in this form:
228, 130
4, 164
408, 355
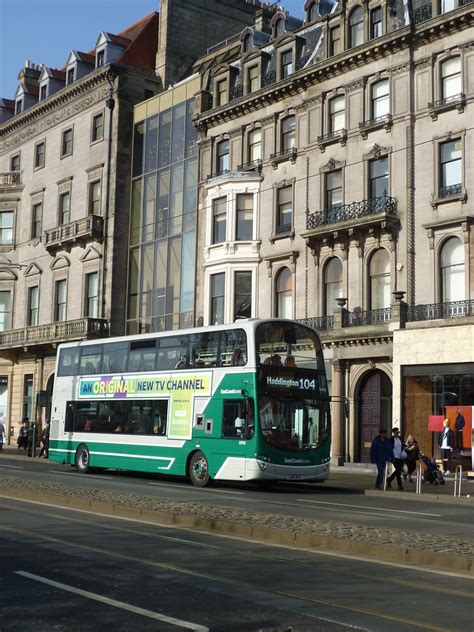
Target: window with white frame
332, 284
18, 106
380, 98
95, 197
70, 76
452, 271
451, 78
6, 228
222, 92
219, 220
335, 41
255, 145
450, 168
253, 79
43, 92
223, 158
92, 295
60, 300
288, 133
5, 310
36, 220
337, 113
284, 219
33, 306
376, 24
284, 294
217, 298
447, 5
378, 177
356, 23
100, 58
286, 64
244, 217
333, 193
242, 294
64, 207
379, 273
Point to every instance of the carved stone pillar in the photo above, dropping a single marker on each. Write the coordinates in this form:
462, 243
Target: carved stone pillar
338, 412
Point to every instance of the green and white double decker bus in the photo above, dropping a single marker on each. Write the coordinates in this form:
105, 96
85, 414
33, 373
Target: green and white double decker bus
240, 402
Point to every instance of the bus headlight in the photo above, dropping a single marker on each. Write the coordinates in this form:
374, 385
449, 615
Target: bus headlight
262, 465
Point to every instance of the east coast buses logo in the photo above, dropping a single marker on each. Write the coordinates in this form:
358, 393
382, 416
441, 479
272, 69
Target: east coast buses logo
144, 385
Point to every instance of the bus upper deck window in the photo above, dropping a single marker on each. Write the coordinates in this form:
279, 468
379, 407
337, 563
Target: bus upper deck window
68, 362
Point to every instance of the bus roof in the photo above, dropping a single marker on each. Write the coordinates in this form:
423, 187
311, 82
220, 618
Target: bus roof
248, 324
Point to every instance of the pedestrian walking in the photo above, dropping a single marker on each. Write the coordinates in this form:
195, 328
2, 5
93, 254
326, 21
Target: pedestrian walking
22, 440
45, 440
459, 427
31, 438
399, 455
380, 454
413, 454
446, 443
2, 435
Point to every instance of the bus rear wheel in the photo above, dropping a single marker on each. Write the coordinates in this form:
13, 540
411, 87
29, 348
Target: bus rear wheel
199, 470
82, 460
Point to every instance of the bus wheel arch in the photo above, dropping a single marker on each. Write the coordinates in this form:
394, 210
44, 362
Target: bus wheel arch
198, 469
82, 459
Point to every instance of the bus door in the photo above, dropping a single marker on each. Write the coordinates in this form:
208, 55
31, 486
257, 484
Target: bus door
231, 451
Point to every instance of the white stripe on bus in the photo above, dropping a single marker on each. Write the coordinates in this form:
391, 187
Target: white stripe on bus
131, 456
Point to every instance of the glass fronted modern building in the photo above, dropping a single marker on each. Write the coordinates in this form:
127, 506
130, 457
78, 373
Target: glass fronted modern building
162, 247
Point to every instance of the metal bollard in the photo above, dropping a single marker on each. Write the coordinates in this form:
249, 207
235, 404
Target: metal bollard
419, 478
458, 481
385, 476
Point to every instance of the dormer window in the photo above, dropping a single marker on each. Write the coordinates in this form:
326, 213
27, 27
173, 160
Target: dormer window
43, 92
357, 27
100, 58
70, 76
222, 92
247, 43
279, 27
313, 12
18, 106
286, 64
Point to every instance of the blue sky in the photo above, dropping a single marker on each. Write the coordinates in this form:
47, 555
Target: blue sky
44, 31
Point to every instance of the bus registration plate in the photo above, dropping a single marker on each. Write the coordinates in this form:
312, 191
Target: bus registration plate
294, 477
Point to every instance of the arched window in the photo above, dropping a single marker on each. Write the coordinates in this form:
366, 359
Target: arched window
357, 27
284, 294
451, 77
247, 43
379, 272
313, 12
279, 27
332, 284
452, 271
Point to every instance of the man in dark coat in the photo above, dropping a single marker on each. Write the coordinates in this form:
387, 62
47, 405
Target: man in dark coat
459, 427
380, 454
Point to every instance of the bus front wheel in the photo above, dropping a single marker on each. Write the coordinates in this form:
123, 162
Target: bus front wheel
199, 470
82, 460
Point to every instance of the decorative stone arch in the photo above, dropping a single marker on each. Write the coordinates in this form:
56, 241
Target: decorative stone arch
60, 263
278, 17
369, 251
438, 251
324, 261
309, 7
246, 36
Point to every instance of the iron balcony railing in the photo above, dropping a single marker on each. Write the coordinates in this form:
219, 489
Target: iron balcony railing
453, 99
55, 332
450, 191
236, 92
291, 152
251, 165
269, 78
320, 323
385, 119
91, 227
421, 14
10, 178
218, 174
359, 318
302, 61
436, 311
332, 136
282, 229
355, 210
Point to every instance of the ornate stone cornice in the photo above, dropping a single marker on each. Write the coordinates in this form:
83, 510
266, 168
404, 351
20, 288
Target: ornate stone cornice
377, 151
355, 85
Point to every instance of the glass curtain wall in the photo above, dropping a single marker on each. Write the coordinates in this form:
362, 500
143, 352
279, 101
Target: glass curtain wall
163, 221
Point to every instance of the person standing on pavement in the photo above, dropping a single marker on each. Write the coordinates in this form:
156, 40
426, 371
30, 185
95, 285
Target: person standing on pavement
380, 454
31, 438
399, 455
22, 440
459, 427
446, 443
45, 441
413, 454
2, 435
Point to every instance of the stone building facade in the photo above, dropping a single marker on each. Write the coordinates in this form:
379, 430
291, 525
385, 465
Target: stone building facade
335, 172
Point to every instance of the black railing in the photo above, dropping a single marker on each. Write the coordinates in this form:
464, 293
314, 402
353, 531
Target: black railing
219, 173
282, 229
421, 14
453, 99
435, 311
378, 120
330, 136
236, 92
302, 61
269, 78
359, 318
320, 323
450, 191
355, 210
251, 165
284, 153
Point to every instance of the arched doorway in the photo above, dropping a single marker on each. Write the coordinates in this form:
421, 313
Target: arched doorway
49, 389
375, 410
